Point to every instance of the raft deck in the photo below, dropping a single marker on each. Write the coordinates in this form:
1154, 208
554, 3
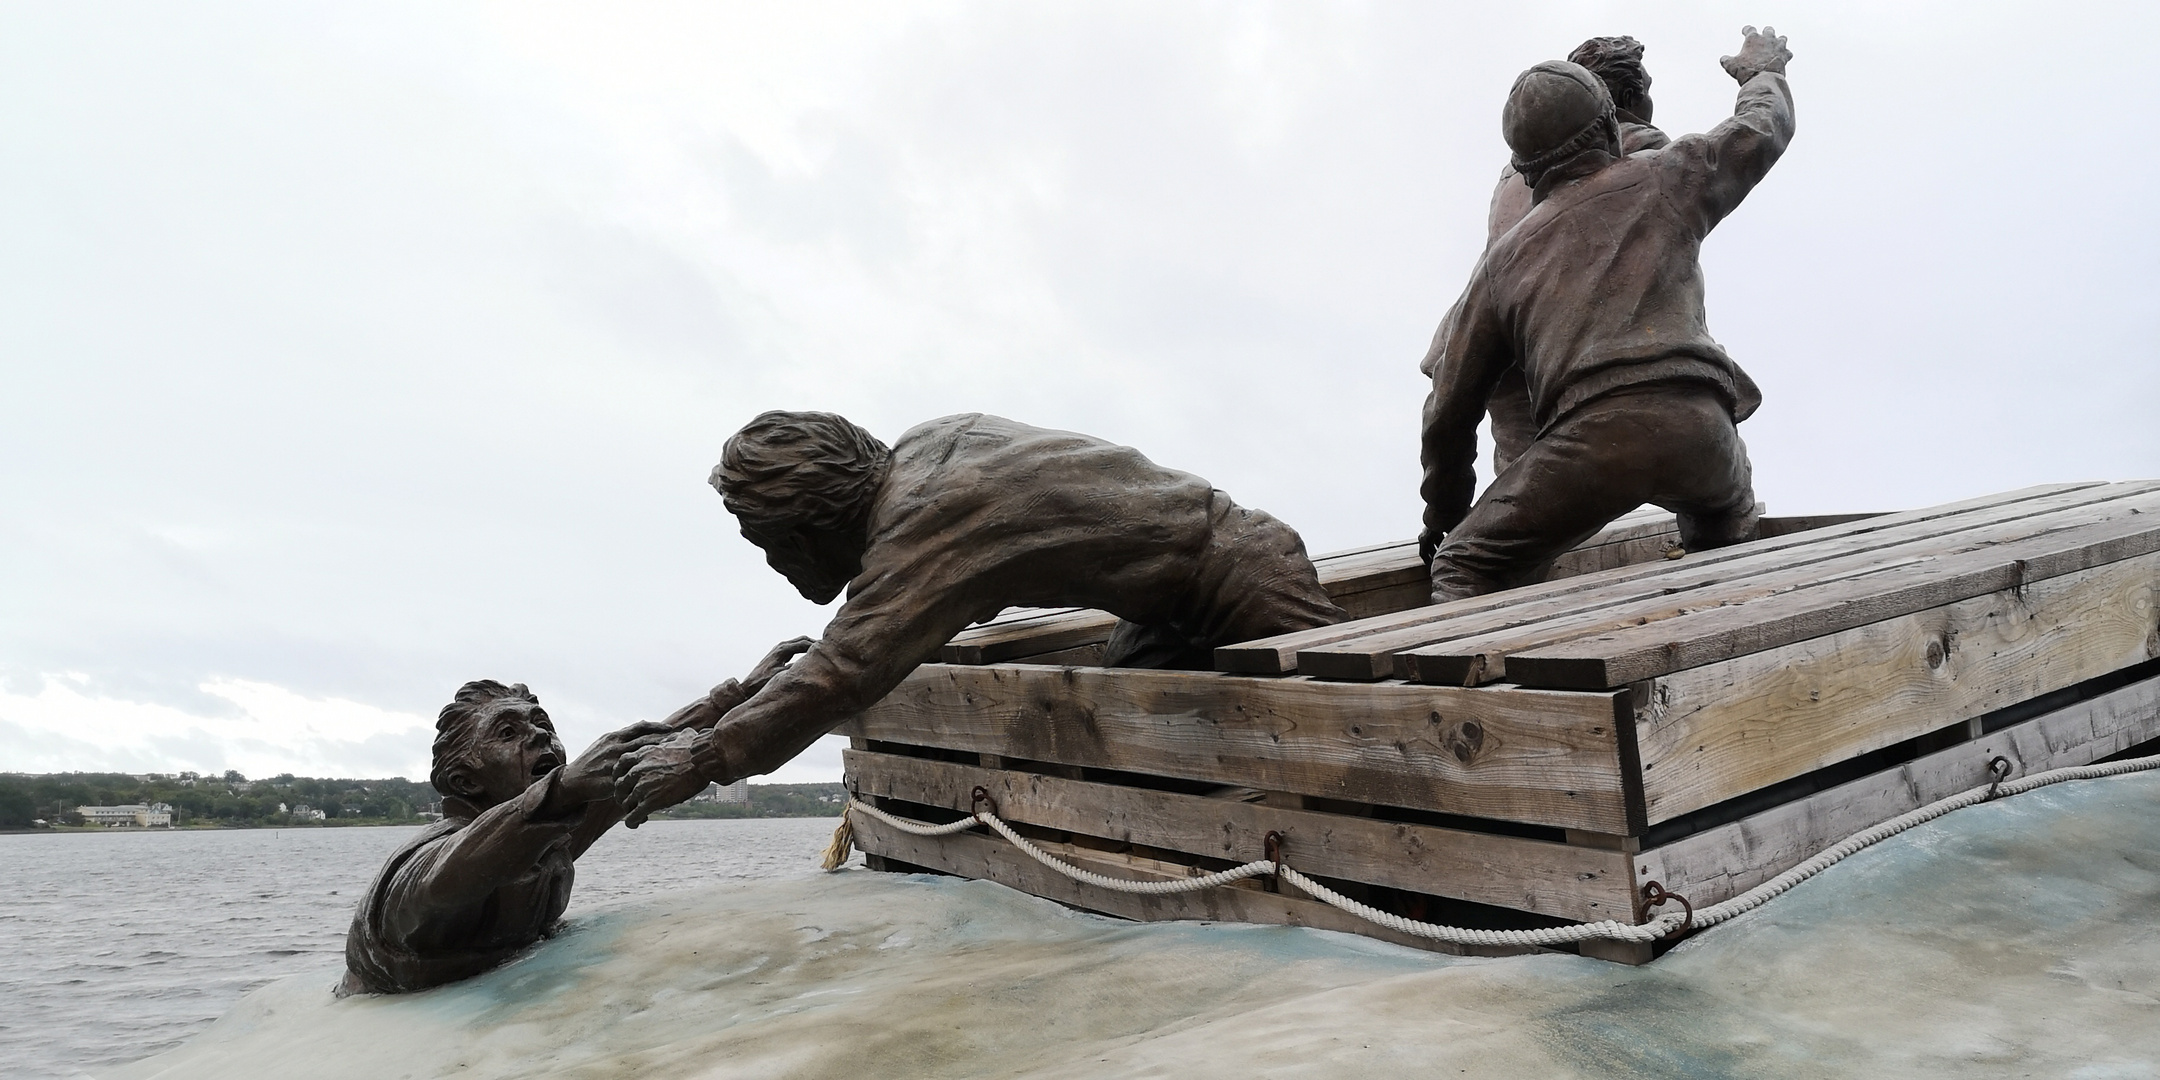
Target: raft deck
1703, 720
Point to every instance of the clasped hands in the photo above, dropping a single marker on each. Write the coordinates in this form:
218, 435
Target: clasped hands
652, 769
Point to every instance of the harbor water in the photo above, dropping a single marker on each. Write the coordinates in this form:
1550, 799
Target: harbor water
119, 944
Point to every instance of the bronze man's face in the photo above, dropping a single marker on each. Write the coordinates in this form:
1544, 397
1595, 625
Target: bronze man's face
819, 565
514, 744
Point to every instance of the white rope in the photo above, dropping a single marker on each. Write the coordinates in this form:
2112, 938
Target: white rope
1549, 936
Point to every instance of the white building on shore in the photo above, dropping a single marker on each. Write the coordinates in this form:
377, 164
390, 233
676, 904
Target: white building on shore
131, 815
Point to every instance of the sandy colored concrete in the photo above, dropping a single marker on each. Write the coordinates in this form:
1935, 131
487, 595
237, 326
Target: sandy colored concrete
2015, 939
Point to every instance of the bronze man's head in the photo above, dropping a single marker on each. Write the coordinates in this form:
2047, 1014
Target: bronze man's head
801, 485
492, 742
1617, 62
1555, 111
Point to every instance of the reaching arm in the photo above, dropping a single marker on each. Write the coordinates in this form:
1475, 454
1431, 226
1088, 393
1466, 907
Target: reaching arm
1727, 162
502, 843
1469, 355
880, 634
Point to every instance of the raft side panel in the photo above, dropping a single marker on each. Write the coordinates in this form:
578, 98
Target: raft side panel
1539, 757
1557, 879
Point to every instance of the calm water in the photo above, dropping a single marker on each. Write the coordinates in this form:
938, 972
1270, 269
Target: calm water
114, 946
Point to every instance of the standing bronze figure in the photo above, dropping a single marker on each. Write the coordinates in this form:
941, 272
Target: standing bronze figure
1617, 62
1596, 294
961, 519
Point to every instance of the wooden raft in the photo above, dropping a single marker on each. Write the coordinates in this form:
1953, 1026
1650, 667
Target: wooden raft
1703, 720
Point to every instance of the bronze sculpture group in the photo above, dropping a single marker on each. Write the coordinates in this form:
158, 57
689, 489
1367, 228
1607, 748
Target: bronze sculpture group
1581, 332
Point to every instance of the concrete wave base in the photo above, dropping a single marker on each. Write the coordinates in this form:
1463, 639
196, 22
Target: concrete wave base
2019, 938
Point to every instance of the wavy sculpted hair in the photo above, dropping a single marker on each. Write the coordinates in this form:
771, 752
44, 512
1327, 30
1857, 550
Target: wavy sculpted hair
1618, 61
804, 470
456, 727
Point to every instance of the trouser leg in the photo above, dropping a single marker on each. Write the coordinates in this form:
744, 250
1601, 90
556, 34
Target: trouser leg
1252, 580
1673, 445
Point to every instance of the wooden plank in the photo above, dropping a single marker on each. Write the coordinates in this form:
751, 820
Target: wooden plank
1037, 633
1710, 733
1718, 864
1423, 626
1582, 884
1496, 752
1779, 609
1365, 581
988, 858
1857, 566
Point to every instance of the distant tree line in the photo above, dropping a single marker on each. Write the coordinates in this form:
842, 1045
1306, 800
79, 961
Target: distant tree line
284, 800
211, 799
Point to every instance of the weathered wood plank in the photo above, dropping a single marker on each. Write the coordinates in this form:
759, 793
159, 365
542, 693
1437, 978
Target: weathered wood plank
1718, 864
1366, 645
1710, 733
1687, 604
1583, 884
1530, 756
985, 858
1039, 632
1774, 610
1365, 581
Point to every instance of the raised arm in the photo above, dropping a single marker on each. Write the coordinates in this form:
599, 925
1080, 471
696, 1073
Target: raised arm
1730, 159
1468, 356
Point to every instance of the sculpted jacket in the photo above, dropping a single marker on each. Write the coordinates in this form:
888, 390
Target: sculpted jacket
979, 513
1597, 288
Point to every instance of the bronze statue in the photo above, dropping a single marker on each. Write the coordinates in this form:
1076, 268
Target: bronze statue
494, 874
1617, 62
961, 519
1597, 295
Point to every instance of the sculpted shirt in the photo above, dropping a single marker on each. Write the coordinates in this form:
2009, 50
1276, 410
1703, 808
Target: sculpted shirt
979, 513
1599, 287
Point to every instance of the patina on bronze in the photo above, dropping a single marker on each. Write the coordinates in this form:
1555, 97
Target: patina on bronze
959, 520
1617, 62
494, 875
1597, 295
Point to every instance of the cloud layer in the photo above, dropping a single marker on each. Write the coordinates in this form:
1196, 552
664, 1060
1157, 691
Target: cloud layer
357, 352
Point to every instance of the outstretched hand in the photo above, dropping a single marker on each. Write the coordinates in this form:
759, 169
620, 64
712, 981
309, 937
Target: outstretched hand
1759, 52
775, 662
592, 775
655, 777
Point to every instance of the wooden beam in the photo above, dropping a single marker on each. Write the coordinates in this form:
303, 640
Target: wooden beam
1640, 642
1365, 581
991, 858
1581, 884
1711, 733
1363, 649
1495, 752
1718, 864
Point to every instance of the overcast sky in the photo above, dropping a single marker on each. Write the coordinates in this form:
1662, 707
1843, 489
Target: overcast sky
354, 351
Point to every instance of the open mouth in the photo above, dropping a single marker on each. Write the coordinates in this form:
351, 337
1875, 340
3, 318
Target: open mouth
546, 764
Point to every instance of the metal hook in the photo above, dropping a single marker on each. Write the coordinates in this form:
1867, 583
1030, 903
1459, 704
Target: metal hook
1655, 894
1271, 847
1998, 767
978, 797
